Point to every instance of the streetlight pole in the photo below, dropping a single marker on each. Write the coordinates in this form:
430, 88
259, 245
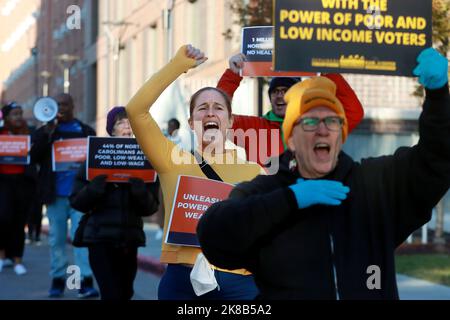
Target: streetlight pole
45, 75
66, 61
117, 46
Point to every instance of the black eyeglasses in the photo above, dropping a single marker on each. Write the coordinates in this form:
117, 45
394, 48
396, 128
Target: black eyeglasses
278, 91
311, 124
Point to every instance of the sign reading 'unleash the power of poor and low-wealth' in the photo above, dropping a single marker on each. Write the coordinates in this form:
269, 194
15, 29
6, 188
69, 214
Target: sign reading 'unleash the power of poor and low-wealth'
193, 196
119, 159
356, 36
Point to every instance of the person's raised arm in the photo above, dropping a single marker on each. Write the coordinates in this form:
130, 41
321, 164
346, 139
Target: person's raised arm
416, 178
230, 80
152, 141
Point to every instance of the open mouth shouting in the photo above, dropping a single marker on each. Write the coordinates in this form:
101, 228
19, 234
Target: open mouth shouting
280, 105
322, 151
211, 130
210, 125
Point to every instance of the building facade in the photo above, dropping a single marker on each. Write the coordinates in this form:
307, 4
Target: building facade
121, 43
43, 39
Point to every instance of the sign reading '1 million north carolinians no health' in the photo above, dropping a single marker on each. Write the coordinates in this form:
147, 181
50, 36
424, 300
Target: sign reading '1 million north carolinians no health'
356, 36
119, 159
257, 45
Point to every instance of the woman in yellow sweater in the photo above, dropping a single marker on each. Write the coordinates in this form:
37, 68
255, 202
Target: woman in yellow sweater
210, 117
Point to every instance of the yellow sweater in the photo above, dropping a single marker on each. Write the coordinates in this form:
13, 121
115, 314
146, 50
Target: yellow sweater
159, 151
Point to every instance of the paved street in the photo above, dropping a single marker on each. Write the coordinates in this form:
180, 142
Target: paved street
35, 284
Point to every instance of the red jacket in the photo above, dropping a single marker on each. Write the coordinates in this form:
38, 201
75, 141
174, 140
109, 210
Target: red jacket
261, 151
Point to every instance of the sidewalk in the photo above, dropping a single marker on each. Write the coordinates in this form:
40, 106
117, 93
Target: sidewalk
35, 283
416, 289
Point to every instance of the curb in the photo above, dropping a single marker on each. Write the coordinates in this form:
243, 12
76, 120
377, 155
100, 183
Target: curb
145, 263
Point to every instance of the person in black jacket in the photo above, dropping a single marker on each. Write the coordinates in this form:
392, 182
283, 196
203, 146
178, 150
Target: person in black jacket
325, 226
17, 186
55, 188
113, 226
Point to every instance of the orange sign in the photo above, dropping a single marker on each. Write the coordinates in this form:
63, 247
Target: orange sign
193, 196
14, 149
67, 155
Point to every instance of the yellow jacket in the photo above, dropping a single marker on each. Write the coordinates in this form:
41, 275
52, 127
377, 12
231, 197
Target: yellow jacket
165, 156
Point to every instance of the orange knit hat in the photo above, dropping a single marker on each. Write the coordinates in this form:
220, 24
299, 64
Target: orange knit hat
308, 94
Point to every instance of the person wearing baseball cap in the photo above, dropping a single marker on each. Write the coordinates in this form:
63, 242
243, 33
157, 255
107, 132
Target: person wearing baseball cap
326, 226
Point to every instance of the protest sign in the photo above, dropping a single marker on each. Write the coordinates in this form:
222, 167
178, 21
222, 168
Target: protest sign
356, 36
193, 196
14, 149
257, 45
69, 154
119, 159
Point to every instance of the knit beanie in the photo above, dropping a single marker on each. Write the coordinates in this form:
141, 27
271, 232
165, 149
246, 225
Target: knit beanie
8, 108
308, 94
111, 118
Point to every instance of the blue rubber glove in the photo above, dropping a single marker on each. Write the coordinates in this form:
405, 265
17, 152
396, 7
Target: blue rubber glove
313, 192
432, 69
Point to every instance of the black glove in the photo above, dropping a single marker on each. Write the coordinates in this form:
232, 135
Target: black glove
98, 184
137, 186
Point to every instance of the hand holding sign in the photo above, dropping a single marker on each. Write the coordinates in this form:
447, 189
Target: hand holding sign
137, 187
236, 62
432, 69
98, 184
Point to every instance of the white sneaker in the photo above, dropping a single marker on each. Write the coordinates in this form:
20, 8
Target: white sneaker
19, 269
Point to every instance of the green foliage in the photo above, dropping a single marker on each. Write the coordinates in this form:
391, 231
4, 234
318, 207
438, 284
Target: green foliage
252, 12
431, 267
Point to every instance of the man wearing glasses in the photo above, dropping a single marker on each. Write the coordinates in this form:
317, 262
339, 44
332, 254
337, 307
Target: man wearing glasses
325, 226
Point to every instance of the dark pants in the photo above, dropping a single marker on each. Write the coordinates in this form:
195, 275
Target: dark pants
176, 285
15, 193
114, 269
34, 221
